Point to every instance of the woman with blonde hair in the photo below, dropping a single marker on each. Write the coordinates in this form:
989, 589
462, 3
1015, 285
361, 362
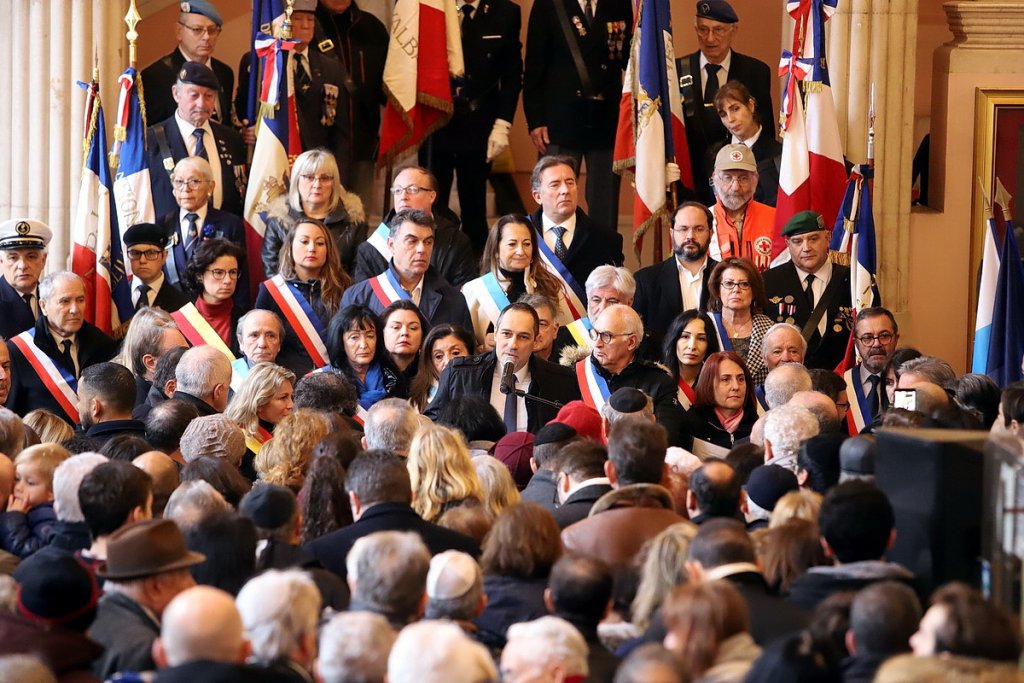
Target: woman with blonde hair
441, 472
802, 504
285, 458
315, 191
48, 427
510, 267
664, 568
499, 488
263, 400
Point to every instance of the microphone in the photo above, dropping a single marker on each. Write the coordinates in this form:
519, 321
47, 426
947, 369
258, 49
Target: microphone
508, 381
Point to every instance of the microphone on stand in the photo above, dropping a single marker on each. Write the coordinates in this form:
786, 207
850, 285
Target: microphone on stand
508, 381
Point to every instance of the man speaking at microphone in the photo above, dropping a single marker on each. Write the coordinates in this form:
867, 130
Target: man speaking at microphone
516, 382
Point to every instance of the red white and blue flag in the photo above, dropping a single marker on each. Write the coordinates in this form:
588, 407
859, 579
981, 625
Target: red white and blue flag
96, 241
132, 192
651, 131
854, 235
1006, 341
263, 14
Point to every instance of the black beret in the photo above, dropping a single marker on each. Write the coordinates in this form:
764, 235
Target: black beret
768, 483
146, 233
269, 506
628, 400
55, 588
195, 73
716, 10
553, 432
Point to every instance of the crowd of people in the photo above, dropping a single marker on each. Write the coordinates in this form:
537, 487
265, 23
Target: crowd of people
436, 452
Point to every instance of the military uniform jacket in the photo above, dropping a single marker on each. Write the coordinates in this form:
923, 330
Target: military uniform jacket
783, 286
17, 316
658, 298
591, 246
27, 389
553, 95
473, 376
230, 149
169, 297
158, 77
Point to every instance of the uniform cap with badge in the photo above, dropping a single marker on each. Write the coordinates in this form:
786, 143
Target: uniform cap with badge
304, 6
195, 73
716, 10
735, 158
24, 233
802, 223
202, 7
146, 233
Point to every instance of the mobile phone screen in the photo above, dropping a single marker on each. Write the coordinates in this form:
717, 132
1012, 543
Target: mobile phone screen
905, 398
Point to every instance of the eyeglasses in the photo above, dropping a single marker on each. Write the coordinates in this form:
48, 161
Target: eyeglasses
882, 338
191, 183
220, 273
717, 31
212, 31
729, 285
147, 255
728, 179
409, 189
607, 337
322, 179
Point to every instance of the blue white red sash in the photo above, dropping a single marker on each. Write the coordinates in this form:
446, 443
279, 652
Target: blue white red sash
301, 317
379, 239
360, 415
723, 334
686, 394
859, 415
388, 289
574, 294
593, 386
580, 331
61, 384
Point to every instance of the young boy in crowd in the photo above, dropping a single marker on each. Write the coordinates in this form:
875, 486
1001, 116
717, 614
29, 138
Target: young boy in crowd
27, 524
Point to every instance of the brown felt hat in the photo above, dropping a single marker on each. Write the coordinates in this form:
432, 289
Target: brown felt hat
145, 549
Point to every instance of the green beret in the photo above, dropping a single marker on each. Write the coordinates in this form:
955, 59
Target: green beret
802, 223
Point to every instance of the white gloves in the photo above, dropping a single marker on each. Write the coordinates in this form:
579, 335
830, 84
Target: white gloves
497, 142
671, 173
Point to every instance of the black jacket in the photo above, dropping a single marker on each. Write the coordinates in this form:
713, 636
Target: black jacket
332, 549
204, 408
103, 432
510, 600
703, 424
577, 506
158, 77
27, 389
169, 297
592, 245
440, 302
783, 281
17, 315
473, 375
654, 381
126, 631
348, 233
658, 298
293, 354
452, 258
205, 671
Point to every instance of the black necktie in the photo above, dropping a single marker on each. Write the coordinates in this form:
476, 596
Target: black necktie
467, 14
193, 233
28, 302
511, 409
200, 146
809, 289
65, 358
711, 89
143, 296
302, 80
588, 11
560, 248
874, 402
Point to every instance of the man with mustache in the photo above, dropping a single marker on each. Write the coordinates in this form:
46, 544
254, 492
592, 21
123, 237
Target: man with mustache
743, 227
680, 282
192, 132
47, 359
876, 336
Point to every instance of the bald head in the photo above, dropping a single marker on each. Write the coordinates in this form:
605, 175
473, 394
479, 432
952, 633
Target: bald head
714, 490
164, 473
205, 372
626, 331
930, 397
821, 407
201, 623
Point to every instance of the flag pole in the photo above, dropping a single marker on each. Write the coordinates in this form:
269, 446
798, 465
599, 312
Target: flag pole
132, 18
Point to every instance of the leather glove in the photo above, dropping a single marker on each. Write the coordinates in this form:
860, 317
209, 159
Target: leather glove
497, 142
671, 173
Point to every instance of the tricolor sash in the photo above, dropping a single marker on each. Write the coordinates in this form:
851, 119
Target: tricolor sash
198, 331
580, 331
723, 334
686, 394
255, 442
360, 415
61, 384
593, 387
379, 239
301, 317
859, 415
574, 294
388, 289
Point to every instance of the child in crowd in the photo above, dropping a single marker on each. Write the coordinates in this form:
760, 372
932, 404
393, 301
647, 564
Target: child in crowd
27, 524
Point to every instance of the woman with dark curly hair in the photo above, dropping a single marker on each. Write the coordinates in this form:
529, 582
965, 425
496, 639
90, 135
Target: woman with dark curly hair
355, 343
210, 280
689, 340
443, 343
737, 301
322, 499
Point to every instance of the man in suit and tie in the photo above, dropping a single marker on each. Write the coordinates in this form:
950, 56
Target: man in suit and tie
876, 336
191, 132
704, 71
797, 289
23, 243
146, 244
576, 51
482, 375
197, 30
680, 282
577, 241
193, 220
61, 341
485, 100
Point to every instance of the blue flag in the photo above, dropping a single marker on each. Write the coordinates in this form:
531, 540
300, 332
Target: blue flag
1006, 345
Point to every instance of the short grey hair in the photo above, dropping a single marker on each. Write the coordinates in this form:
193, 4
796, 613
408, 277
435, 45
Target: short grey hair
67, 478
778, 327
50, 282
354, 648
390, 425
551, 640
439, 652
12, 433
821, 407
613, 416
192, 502
550, 161
931, 368
200, 369
784, 381
240, 327
618, 278
279, 609
388, 572
786, 427
198, 163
